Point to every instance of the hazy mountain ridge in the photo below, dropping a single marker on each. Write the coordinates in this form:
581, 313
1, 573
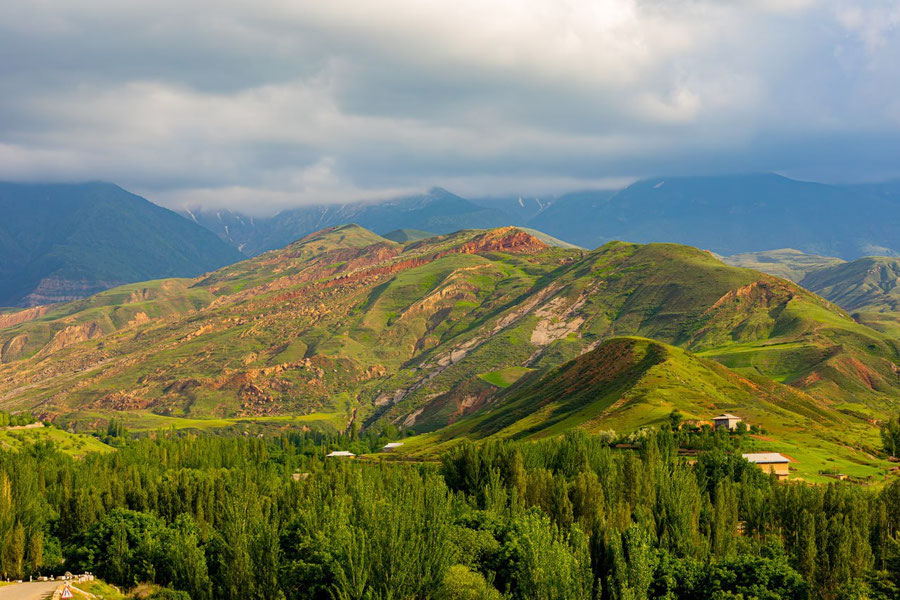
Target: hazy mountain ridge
436, 211
59, 242
728, 215
747, 213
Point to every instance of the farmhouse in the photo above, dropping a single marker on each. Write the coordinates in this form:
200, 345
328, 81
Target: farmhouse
770, 462
726, 421
391, 447
339, 453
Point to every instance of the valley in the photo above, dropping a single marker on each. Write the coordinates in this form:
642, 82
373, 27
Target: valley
528, 300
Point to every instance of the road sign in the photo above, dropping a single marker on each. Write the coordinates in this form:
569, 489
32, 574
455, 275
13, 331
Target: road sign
66, 593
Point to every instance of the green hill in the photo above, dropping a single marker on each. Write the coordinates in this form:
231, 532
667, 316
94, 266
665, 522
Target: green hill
401, 236
868, 287
870, 284
60, 242
345, 325
629, 383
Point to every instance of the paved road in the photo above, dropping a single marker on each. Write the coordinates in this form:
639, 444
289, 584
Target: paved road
28, 591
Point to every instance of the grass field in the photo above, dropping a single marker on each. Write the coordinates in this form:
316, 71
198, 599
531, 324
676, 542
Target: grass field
99, 589
143, 421
504, 377
630, 383
74, 444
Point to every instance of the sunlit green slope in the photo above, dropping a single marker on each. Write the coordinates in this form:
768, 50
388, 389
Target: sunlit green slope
354, 327
628, 383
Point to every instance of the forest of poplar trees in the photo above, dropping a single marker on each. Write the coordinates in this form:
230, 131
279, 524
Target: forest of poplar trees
568, 518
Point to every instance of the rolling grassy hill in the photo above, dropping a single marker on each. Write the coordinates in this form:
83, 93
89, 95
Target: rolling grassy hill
870, 284
74, 444
346, 325
867, 287
59, 242
628, 383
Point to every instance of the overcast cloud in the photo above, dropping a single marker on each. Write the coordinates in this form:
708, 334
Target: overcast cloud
273, 103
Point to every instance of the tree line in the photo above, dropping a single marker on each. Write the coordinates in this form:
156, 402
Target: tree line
565, 518
16, 420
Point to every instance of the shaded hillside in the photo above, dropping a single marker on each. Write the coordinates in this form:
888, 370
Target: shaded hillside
786, 263
868, 287
407, 235
348, 324
866, 284
437, 210
627, 383
59, 242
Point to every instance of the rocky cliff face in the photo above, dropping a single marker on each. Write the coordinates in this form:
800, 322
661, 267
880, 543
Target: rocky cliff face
22, 316
52, 290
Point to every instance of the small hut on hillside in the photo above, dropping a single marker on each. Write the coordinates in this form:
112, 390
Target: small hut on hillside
770, 462
726, 421
339, 454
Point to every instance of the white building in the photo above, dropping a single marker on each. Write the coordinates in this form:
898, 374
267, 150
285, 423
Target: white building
726, 421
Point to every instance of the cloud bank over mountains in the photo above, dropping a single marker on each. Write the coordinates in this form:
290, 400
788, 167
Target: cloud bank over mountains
258, 106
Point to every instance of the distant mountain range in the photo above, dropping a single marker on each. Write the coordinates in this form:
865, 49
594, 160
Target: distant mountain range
59, 242
727, 215
437, 211
735, 214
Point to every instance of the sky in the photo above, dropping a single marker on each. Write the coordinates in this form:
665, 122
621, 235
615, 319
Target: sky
262, 105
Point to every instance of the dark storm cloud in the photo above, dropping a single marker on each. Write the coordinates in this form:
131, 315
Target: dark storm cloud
267, 104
